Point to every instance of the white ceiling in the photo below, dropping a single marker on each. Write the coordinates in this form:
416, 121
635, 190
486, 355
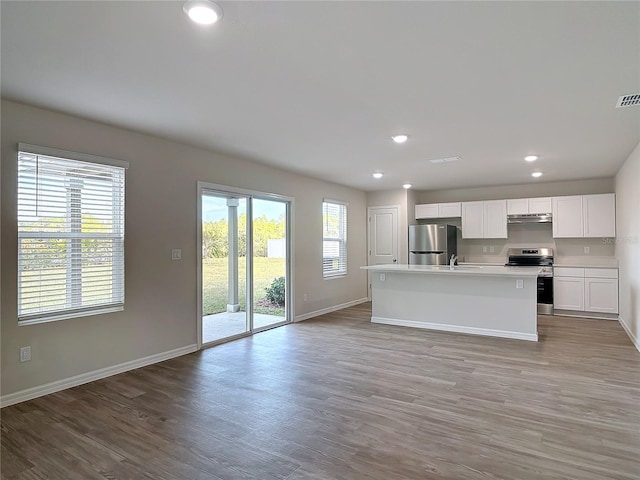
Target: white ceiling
319, 87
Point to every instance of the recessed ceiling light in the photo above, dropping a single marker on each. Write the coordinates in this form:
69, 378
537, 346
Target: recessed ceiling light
531, 158
536, 174
377, 174
400, 138
406, 186
203, 12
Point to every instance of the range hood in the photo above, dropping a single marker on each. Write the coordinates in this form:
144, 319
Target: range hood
529, 218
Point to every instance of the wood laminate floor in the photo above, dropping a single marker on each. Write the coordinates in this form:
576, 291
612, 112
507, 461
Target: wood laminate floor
337, 397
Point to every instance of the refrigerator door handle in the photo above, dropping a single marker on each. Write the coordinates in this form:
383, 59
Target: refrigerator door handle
435, 252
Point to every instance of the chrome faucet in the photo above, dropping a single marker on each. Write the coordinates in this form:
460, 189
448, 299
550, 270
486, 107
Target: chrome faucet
452, 261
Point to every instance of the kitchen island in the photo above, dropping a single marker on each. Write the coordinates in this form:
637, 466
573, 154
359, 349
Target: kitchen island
482, 300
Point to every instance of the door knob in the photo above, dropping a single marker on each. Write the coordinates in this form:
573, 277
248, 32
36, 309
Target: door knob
394, 260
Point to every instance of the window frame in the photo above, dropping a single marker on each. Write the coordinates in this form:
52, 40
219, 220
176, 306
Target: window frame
73, 234
342, 269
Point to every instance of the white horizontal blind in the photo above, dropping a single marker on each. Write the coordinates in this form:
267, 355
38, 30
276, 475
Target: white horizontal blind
70, 236
334, 238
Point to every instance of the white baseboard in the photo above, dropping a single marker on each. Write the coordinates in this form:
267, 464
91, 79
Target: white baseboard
533, 337
307, 316
583, 314
40, 390
628, 331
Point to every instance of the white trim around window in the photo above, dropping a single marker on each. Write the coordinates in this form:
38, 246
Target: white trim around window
70, 212
334, 238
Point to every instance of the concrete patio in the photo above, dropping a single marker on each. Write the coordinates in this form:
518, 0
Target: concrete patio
226, 324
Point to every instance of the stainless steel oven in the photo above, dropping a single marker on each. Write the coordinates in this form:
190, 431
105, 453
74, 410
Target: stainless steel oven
543, 259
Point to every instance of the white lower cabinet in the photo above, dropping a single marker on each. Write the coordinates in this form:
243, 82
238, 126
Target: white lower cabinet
585, 289
568, 293
601, 295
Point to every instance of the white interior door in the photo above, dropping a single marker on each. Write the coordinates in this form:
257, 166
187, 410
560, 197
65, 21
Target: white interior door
383, 235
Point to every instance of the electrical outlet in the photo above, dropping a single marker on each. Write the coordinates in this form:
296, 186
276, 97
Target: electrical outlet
25, 354
587, 249
304, 297
382, 277
176, 254
519, 284
492, 249
484, 249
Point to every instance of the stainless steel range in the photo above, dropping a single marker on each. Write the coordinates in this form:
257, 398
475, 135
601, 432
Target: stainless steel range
543, 259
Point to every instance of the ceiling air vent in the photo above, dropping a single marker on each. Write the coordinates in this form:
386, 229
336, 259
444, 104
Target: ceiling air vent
443, 160
628, 100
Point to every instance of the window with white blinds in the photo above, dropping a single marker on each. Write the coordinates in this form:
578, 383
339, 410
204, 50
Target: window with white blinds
334, 238
70, 234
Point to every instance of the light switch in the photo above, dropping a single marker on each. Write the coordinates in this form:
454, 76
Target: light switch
519, 283
176, 254
382, 277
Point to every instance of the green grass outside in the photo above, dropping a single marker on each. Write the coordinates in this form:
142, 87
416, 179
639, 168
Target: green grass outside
215, 286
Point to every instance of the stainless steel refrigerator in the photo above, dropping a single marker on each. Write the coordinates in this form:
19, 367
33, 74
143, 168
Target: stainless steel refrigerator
432, 244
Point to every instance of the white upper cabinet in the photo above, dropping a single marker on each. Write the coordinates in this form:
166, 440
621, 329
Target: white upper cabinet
484, 219
574, 216
567, 217
438, 210
599, 215
540, 205
472, 220
495, 219
447, 210
584, 216
523, 206
518, 206
427, 211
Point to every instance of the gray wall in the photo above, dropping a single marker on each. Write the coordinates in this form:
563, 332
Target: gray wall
628, 242
534, 189
161, 196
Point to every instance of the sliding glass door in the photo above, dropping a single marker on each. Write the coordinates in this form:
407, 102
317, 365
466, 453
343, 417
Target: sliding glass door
269, 262
244, 263
224, 267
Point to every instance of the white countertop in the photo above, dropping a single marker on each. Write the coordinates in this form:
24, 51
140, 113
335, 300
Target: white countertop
468, 270
484, 264
577, 262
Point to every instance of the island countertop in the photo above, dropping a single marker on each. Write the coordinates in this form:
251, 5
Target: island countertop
467, 270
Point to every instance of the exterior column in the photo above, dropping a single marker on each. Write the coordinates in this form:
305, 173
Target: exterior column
233, 304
